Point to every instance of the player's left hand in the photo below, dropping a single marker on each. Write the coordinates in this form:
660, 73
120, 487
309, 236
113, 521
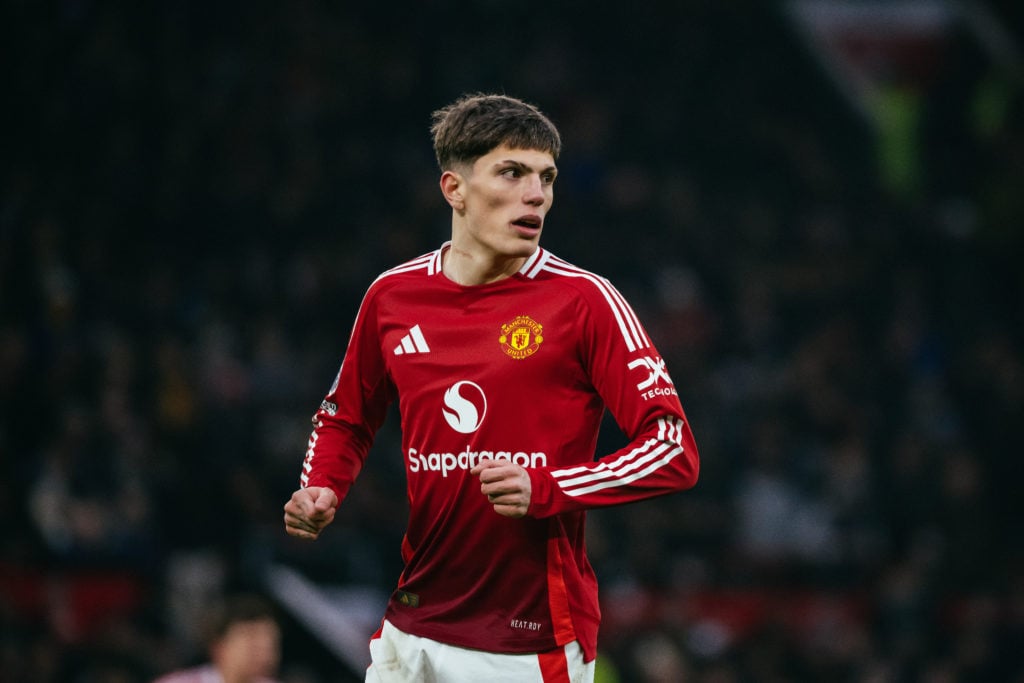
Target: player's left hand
506, 485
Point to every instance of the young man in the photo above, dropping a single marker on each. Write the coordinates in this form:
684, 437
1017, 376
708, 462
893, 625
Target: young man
244, 645
503, 358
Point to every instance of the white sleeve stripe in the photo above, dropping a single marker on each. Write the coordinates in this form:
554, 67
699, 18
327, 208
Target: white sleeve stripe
620, 466
406, 268
426, 261
605, 473
627, 480
631, 319
646, 446
602, 281
417, 262
627, 325
670, 433
634, 323
671, 430
557, 265
537, 258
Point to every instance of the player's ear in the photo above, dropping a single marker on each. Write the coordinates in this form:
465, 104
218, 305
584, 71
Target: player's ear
452, 186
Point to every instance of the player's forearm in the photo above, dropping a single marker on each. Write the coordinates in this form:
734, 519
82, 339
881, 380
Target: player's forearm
334, 455
661, 461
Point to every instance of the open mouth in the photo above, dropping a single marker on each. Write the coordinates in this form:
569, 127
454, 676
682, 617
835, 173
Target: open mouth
528, 222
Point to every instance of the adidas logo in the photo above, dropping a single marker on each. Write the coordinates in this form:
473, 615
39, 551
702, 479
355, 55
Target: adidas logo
413, 343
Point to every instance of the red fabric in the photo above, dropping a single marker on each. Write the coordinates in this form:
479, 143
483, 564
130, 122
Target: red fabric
553, 666
520, 369
558, 595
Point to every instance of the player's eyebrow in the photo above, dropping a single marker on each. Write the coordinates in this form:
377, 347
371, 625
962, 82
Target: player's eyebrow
524, 166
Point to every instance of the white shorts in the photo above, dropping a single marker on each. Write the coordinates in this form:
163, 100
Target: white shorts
398, 657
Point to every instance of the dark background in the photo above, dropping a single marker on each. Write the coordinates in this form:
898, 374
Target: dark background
194, 197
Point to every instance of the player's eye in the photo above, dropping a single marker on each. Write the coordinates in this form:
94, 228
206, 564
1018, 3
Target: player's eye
511, 172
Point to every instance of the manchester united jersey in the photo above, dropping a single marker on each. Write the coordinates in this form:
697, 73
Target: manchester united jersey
522, 370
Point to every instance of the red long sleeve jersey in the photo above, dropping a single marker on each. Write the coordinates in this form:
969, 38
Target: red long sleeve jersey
520, 369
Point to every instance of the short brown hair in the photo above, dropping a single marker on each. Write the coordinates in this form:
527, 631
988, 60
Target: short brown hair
475, 124
237, 608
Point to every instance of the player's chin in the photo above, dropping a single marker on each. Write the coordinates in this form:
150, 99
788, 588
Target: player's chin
523, 246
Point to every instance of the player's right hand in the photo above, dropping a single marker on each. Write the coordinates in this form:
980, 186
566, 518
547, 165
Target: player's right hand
309, 510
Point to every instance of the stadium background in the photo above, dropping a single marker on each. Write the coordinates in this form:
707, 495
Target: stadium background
195, 195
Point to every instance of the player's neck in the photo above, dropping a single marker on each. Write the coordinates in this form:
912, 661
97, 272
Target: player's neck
467, 268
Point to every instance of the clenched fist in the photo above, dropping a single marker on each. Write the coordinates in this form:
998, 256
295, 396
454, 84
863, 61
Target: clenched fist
309, 510
506, 485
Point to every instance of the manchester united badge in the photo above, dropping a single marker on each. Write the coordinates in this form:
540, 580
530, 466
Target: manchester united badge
521, 337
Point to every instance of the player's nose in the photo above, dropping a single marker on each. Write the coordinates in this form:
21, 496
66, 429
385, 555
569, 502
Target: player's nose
533, 193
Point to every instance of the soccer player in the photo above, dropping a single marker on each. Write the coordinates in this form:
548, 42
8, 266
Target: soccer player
503, 358
244, 645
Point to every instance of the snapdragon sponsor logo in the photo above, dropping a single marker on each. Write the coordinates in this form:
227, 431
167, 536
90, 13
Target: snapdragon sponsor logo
467, 459
464, 406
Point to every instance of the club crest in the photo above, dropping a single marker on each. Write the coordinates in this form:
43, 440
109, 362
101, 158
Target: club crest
521, 337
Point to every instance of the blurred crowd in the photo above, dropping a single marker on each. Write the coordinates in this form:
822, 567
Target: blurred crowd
194, 197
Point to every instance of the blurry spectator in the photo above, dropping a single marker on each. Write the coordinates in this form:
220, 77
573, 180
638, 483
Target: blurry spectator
244, 645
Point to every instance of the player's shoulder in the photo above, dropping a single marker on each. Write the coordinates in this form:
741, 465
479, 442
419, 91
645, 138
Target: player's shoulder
554, 271
599, 297
414, 270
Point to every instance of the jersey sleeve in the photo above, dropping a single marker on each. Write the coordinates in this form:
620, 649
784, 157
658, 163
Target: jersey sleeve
355, 407
629, 374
